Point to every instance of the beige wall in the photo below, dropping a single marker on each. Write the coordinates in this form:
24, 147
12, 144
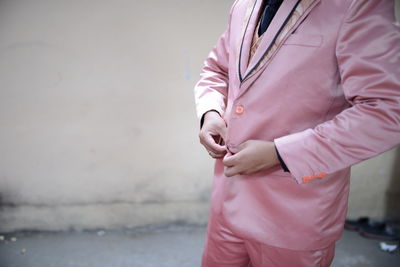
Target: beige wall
397, 5
375, 187
97, 118
98, 127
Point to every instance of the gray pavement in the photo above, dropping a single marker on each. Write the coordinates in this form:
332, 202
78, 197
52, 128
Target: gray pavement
165, 246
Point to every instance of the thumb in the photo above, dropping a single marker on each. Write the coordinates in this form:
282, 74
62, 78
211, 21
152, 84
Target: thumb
222, 132
236, 149
221, 129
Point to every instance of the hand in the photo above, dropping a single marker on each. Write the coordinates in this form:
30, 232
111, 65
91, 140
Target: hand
250, 157
212, 134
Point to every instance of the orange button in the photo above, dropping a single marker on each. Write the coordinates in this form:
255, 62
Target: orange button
239, 109
306, 179
322, 174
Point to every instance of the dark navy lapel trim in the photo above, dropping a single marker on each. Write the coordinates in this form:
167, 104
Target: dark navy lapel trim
270, 46
241, 46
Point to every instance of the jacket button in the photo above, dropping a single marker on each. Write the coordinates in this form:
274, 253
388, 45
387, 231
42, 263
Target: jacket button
306, 179
239, 110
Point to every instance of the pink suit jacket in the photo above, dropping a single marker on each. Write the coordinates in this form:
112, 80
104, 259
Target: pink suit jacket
324, 85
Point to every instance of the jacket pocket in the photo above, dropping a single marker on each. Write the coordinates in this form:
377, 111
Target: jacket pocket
312, 40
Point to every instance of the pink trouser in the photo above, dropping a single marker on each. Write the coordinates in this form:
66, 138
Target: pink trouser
224, 249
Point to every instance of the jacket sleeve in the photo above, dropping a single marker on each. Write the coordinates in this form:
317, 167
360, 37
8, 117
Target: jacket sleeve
368, 56
212, 89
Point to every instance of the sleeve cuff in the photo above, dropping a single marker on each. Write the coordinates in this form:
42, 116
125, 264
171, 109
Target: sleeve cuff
283, 165
202, 117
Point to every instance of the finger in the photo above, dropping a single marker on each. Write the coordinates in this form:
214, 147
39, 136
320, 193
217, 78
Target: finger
211, 145
237, 149
231, 171
216, 155
229, 160
222, 132
220, 141
212, 154
233, 149
232, 159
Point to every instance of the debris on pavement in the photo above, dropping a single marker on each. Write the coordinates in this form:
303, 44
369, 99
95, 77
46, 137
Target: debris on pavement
101, 233
388, 247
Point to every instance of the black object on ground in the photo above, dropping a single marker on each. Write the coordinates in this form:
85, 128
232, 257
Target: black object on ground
369, 228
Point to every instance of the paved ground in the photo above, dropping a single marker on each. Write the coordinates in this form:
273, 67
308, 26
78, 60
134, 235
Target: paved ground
172, 246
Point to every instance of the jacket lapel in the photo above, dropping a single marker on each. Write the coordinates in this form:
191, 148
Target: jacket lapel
248, 27
289, 16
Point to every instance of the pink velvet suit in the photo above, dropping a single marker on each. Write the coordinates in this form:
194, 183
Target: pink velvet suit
324, 85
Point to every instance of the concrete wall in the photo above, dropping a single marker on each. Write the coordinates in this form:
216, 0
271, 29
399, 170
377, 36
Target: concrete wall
98, 128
